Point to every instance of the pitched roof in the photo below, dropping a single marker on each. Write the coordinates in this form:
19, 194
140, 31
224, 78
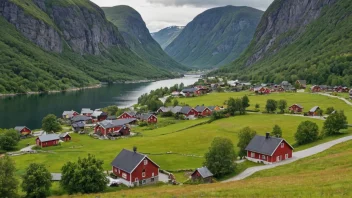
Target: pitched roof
20, 128
314, 109
176, 109
263, 145
70, 113
97, 113
200, 108
86, 111
185, 109
49, 137
204, 172
189, 90
145, 116
298, 105
79, 118
78, 125
112, 117
165, 109
64, 135
128, 160
114, 123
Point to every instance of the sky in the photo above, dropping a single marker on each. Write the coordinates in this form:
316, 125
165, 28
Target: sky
159, 14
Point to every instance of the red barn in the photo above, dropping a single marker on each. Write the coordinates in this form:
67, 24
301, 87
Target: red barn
135, 169
202, 174
69, 114
314, 111
268, 149
23, 130
189, 112
128, 115
65, 137
48, 140
114, 127
315, 88
296, 108
203, 111
150, 118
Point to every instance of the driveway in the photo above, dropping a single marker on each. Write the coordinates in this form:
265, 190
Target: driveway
28, 148
296, 156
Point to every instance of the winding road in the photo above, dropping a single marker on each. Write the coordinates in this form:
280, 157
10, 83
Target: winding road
296, 156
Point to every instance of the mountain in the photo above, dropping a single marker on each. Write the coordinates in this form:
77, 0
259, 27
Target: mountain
308, 40
136, 35
165, 36
62, 44
215, 37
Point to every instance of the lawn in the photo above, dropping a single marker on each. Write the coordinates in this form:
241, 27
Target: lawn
328, 174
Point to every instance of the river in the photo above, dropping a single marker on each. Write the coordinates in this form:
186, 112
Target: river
29, 110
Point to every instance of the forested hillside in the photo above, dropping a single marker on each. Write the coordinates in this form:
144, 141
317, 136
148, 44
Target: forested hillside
165, 36
137, 36
216, 37
56, 45
296, 39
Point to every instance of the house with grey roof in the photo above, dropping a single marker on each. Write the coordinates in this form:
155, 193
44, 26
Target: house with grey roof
203, 111
296, 108
315, 111
65, 137
81, 118
302, 84
188, 112
148, 117
268, 150
69, 114
127, 115
176, 109
189, 92
48, 140
135, 169
119, 127
23, 130
78, 126
86, 112
202, 174
164, 109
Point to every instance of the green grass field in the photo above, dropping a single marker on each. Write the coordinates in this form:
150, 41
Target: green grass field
328, 174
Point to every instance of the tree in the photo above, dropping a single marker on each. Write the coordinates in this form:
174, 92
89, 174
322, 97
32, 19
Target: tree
282, 104
307, 132
257, 106
271, 106
244, 137
36, 181
154, 105
51, 124
85, 176
277, 132
111, 110
175, 102
329, 110
8, 181
168, 100
9, 139
334, 123
234, 106
245, 101
220, 157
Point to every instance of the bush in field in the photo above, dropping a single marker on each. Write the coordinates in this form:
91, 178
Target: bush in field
277, 132
8, 181
307, 132
271, 106
334, 123
36, 181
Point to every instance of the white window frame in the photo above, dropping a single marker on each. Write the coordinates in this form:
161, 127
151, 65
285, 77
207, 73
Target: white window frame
136, 179
152, 174
263, 157
286, 156
282, 145
252, 155
124, 175
145, 162
143, 174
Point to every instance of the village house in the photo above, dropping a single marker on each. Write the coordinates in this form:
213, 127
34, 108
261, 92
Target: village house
78, 126
202, 89
277, 88
262, 90
149, 118
214, 108
176, 110
202, 174
113, 117
23, 130
189, 112
189, 92
99, 116
164, 110
296, 108
301, 84
341, 89
65, 137
315, 111
81, 118
175, 93
128, 115
69, 114
268, 150
48, 140
135, 169
87, 112
114, 127
203, 111
315, 88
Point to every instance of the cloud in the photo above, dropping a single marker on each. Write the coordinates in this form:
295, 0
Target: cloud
260, 4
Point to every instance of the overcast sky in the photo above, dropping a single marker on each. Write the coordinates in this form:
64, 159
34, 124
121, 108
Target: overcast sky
159, 14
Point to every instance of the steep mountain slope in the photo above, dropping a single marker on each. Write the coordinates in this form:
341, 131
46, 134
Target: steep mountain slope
136, 34
165, 36
61, 44
215, 37
300, 40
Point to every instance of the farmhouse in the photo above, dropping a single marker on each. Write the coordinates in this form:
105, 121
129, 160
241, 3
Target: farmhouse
189, 112
202, 174
301, 84
315, 88
128, 115
261, 90
135, 169
114, 127
214, 108
23, 130
203, 111
341, 89
176, 109
99, 116
296, 108
175, 93
69, 114
191, 92
78, 126
47, 140
65, 137
314, 111
87, 112
147, 117
163, 109
268, 149
81, 118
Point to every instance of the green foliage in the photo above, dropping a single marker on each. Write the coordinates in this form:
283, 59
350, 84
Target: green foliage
257, 106
329, 110
234, 106
36, 181
9, 139
85, 176
175, 103
167, 114
277, 132
307, 132
111, 110
245, 101
244, 137
8, 181
282, 105
220, 157
168, 101
271, 106
51, 124
217, 115
334, 123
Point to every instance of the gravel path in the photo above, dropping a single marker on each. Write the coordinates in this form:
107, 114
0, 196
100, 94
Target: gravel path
331, 96
28, 148
296, 156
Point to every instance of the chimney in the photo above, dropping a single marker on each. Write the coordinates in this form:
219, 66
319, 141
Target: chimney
267, 135
135, 149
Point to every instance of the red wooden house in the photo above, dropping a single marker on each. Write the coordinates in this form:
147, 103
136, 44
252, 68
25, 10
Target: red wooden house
87, 112
191, 92
302, 84
128, 115
114, 127
150, 118
268, 149
48, 140
69, 114
202, 174
296, 108
188, 112
135, 169
99, 116
164, 109
341, 89
65, 137
23, 130
314, 111
315, 88
262, 90
203, 111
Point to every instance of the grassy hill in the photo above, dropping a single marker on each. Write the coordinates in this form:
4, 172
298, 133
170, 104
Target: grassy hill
315, 45
165, 36
137, 36
36, 55
216, 37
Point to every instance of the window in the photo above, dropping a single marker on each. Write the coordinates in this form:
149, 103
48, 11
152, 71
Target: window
282, 145
124, 175
286, 156
252, 155
144, 181
145, 162
152, 179
263, 157
136, 180
143, 173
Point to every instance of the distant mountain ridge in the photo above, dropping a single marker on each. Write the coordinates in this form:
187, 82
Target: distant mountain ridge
215, 37
296, 39
137, 36
165, 36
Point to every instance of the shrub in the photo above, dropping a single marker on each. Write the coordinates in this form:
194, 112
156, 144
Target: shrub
307, 132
